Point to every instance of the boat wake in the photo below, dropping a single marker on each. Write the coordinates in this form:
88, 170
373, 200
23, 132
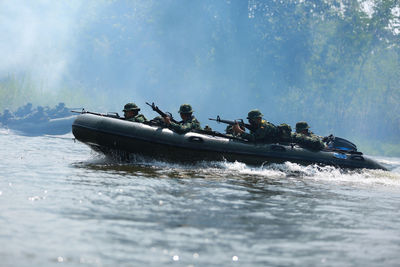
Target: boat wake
272, 171
320, 173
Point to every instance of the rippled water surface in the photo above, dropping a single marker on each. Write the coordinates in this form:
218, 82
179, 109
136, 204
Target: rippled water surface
63, 204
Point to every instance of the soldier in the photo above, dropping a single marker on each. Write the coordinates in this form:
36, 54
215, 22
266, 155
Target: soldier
284, 133
306, 138
262, 131
131, 113
38, 115
24, 110
7, 117
188, 123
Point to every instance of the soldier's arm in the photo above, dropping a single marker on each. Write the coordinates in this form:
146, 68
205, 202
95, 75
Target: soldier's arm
138, 118
181, 128
259, 134
142, 118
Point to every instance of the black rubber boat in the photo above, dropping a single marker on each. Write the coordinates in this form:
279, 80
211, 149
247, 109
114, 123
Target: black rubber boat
109, 135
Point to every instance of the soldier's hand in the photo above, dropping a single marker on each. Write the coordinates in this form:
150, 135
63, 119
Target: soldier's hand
167, 120
236, 129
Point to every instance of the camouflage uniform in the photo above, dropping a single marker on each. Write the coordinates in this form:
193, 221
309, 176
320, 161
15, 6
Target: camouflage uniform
266, 132
307, 140
187, 125
138, 117
158, 121
284, 133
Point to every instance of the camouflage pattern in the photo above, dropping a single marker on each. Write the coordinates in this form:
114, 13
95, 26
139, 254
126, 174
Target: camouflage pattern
265, 133
301, 126
309, 140
158, 121
305, 138
131, 106
138, 118
253, 114
284, 133
185, 126
185, 108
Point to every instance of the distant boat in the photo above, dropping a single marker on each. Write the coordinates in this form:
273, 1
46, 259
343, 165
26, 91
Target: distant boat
41, 127
110, 135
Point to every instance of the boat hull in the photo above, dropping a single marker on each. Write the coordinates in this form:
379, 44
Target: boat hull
110, 135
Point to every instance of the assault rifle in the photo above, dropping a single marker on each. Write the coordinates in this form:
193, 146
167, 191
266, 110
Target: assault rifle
108, 114
162, 114
238, 121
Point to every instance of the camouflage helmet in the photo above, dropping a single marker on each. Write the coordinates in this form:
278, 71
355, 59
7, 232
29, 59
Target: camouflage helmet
253, 114
301, 126
185, 108
131, 107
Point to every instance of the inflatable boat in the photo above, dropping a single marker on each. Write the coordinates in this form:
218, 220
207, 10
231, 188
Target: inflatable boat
41, 127
109, 135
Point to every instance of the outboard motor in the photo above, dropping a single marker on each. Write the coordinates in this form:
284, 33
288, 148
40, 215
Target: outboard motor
334, 142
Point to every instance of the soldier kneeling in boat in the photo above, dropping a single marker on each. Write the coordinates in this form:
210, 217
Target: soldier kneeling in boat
306, 138
188, 123
131, 113
261, 130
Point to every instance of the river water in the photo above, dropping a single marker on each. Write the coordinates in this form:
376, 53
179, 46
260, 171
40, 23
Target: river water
63, 204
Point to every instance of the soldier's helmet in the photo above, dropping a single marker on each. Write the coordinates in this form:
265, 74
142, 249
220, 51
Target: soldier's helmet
185, 108
253, 114
301, 126
131, 106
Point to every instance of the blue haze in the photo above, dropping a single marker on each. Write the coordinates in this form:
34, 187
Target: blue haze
223, 57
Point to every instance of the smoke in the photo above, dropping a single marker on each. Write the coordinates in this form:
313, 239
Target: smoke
219, 56
170, 52
38, 39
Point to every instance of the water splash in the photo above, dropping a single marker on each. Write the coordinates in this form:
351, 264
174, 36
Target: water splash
364, 177
272, 171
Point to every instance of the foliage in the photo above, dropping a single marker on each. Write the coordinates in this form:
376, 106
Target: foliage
333, 63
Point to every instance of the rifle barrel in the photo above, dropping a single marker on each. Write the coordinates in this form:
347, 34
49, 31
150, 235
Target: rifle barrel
239, 121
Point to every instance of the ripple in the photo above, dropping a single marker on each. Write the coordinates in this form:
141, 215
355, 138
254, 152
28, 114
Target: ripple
209, 214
